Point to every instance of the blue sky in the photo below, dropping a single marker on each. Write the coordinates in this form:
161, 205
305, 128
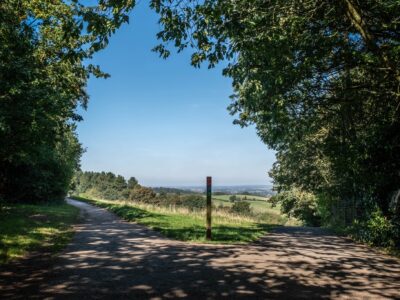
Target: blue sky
163, 121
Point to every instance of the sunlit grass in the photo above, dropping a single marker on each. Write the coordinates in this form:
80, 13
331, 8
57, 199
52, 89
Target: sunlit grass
262, 209
182, 224
24, 228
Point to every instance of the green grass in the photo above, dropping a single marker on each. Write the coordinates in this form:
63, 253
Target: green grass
184, 225
261, 208
259, 204
25, 228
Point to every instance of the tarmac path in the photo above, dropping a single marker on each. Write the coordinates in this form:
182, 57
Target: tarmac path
112, 259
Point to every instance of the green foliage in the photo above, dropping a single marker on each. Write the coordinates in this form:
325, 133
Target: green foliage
193, 202
28, 227
101, 184
107, 185
175, 191
241, 208
232, 198
299, 204
142, 194
132, 182
319, 79
45, 50
376, 230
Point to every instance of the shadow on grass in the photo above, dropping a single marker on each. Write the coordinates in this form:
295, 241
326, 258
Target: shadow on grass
45, 227
220, 233
127, 212
177, 227
109, 259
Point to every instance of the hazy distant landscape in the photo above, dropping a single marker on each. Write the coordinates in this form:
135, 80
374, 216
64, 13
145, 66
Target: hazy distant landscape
265, 190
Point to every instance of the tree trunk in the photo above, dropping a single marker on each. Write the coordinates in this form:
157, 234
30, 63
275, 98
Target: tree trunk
354, 14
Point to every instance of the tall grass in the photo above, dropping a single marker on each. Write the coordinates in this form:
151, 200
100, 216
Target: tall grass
186, 224
199, 213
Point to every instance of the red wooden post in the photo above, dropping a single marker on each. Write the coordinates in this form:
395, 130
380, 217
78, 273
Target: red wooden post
208, 230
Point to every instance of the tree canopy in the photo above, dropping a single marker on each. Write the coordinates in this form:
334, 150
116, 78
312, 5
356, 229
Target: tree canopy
319, 79
104, 185
108, 186
45, 48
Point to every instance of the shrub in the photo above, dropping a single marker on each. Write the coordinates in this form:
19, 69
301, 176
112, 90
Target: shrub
241, 208
222, 209
299, 204
193, 202
377, 230
170, 200
142, 194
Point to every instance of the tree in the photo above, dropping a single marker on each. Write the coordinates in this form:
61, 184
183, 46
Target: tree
241, 208
43, 77
299, 204
102, 185
142, 194
232, 198
319, 79
132, 182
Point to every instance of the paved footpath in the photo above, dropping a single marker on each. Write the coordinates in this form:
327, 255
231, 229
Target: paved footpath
112, 259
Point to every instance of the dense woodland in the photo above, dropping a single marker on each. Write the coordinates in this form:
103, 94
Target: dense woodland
319, 79
45, 52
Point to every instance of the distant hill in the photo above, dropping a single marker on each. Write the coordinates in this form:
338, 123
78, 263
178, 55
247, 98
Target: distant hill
171, 190
262, 190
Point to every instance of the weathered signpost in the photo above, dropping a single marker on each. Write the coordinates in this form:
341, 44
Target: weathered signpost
208, 230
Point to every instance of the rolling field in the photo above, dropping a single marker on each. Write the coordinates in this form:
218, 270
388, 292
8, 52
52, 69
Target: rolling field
261, 208
257, 203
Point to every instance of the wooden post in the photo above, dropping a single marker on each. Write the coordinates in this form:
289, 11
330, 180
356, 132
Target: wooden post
208, 230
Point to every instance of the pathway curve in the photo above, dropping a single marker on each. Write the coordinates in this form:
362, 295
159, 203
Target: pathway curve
113, 259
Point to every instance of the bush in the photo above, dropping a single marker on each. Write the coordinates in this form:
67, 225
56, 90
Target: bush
193, 202
241, 208
168, 200
142, 194
299, 204
377, 230
103, 185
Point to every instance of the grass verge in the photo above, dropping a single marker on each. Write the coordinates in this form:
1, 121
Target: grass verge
185, 225
29, 227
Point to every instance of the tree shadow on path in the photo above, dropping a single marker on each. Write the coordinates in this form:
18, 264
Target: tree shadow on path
109, 258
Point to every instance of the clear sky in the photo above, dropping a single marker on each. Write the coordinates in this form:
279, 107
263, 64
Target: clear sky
163, 121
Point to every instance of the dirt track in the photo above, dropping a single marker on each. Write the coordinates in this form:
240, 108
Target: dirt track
112, 259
